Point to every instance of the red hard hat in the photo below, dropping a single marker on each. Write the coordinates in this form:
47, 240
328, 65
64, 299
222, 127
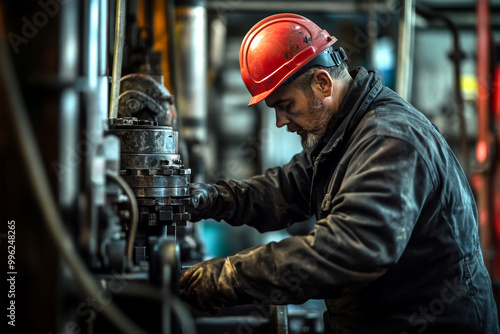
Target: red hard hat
277, 47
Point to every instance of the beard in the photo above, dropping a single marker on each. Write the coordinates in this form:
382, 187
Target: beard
321, 118
310, 141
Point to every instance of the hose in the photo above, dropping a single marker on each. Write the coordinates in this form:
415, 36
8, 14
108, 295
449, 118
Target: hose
134, 209
42, 190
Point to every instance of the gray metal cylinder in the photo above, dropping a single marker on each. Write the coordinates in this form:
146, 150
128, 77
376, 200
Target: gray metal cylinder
152, 167
191, 68
147, 140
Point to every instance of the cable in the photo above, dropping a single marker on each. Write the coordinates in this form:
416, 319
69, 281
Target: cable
47, 204
134, 213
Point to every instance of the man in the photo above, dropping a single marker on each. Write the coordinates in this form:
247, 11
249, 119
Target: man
395, 248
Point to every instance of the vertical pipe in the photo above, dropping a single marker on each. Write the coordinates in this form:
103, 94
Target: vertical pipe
169, 67
102, 67
90, 44
405, 50
69, 127
372, 26
68, 160
191, 79
93, 129
496, 164
117, 58
485, 139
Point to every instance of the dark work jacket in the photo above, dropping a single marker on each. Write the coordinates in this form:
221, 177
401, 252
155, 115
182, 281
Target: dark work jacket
395, 248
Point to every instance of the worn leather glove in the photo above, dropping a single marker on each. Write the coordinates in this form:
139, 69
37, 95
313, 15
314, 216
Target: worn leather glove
209, 285
202, 199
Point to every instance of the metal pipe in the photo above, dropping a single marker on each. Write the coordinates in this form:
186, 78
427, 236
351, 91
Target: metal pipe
67, 72
94, 175
404, 74
103, 80
90, 43
191, 77
117, 58
372, 32
170, 16
134, 216
485, 140
103, 38
302, 6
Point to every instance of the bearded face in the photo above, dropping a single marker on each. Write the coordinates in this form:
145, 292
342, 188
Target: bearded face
319, 120
313, 130
302, 111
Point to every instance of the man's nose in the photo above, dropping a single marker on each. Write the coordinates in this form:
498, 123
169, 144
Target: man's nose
281, 119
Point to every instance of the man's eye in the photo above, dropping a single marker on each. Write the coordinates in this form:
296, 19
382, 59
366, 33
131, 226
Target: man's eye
285, 108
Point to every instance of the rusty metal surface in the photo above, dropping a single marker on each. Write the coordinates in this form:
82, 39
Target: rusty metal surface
157, 181
149, 161
147, 140
145, 98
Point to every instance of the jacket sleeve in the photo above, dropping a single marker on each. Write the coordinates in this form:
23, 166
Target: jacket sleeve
268, 202
367, 229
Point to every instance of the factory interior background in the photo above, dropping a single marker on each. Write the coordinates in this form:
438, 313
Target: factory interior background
61, 64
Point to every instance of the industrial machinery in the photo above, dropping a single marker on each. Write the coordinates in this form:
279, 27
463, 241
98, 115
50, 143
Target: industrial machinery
152, 167
96, 131
115, 192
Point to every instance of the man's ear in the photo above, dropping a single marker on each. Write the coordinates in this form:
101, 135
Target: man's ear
322, 82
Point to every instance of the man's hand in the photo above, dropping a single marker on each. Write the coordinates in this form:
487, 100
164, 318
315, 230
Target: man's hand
198, 285
202, 198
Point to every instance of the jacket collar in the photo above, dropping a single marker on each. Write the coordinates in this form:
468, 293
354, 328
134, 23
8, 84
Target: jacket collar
366, 86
